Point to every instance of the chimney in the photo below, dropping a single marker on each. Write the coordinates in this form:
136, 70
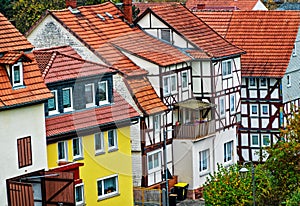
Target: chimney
200, 6
71, 3
128, 10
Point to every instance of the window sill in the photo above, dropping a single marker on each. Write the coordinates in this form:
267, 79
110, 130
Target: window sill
204, 173
77, 158
113, 149
108, 196
99, 153
15, 87
227, 76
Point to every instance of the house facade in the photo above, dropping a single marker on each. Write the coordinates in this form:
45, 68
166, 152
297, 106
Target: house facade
205, 129
88, 123
139, 79
267, 94
25, 178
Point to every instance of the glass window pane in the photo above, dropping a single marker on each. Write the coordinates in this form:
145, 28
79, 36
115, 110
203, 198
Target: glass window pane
99, 186
265, 109
166, 85
173, 83
150, 162
229, 67
111, 141
78, 193
61, 150
52, 102
165, 35
17, 78
254, 109
266, 140
67, 98
89, 96
156, 160
263, 82
184, 79
98, 141
255, 140
76, 150
102, 86
110, 185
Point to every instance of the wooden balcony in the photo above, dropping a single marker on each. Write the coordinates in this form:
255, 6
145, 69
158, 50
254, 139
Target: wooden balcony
194, 131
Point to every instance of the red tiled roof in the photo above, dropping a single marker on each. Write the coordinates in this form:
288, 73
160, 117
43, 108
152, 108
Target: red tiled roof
67, 50
196, 54
143, 6
145, 95
35, 89
237, 4
80, 120
12, 57
11, 38
62, 67
267, 36
195, 30
94, 32
140, 44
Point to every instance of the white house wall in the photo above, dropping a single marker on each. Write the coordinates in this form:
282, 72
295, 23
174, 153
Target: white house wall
15, 124
259, 6
49, 33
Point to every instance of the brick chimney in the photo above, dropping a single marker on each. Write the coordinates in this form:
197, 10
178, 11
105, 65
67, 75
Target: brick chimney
127, 5
200, 6
71, 3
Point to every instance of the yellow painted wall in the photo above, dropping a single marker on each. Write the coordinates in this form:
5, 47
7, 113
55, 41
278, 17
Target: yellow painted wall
99, 166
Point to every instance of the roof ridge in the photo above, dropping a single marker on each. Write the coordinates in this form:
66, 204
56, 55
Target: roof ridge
53, 56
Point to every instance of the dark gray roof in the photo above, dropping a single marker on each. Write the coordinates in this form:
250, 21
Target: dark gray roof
289, 6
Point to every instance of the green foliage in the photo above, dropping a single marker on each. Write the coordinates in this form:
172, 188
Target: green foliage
295, 199
6, 8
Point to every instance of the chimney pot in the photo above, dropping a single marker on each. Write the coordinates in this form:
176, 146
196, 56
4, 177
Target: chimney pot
71, 3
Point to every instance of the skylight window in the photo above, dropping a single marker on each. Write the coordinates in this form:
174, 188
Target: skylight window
101, 17
109, 15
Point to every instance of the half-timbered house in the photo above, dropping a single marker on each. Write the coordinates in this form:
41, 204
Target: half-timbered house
270, 83
140, 60
205, 129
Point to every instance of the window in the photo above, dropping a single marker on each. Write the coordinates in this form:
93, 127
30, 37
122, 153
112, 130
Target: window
252, 82
254, 140
89, 95
17, 74
67, 99
232, 103
103, 92
99, 143
107, 186
227, 68
222, 107
154, 161
263, 82
166, 35
288, 79
24, 152
264, 109
62, 151
254, 110
52, 103
184, 79
228, 151
187, 116
79, 194
170, 84
203, 160
77, 148
157, 123
112, 140
265, 140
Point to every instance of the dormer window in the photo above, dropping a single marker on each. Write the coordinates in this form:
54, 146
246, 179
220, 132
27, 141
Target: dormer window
166, 35
17, 74
89, 95
52, 103
227, 68
103, 93
67, 99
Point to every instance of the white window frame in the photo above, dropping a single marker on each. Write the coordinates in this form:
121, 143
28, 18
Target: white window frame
115, 139
81, 187
54, 92
288, 80
251, 110
21, 83
261, 80
222, 107
252, 79
185, 87
68, 109
169, 85
156, 123
65, 146
204, 154
80, 149
262, 140
152, 155
92, 104
252, 136
225, 68
106, 101
101, 136
262, 109
232, 104
227, 157
111, 194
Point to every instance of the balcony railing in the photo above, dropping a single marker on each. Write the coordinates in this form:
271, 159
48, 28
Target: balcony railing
195, 131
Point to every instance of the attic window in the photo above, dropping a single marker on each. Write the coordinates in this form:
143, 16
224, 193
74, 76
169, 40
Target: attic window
294, 50
73, 10
109, 15
166, 35
17, 74
101, 17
